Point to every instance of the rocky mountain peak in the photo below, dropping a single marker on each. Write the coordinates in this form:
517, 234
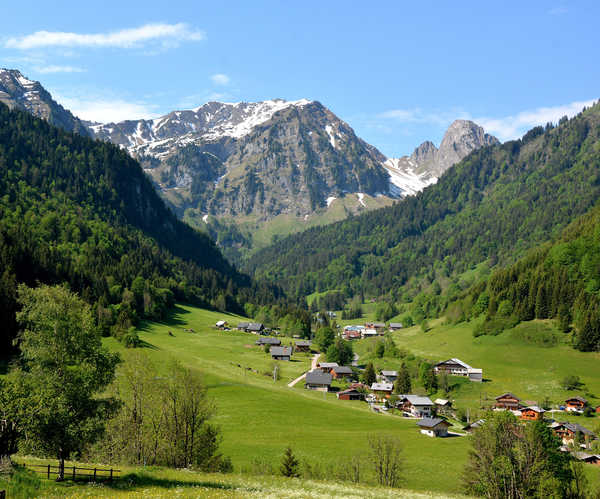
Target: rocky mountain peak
424, 153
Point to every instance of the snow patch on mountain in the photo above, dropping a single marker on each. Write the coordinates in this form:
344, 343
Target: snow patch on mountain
330, 200
404, 180
329, 130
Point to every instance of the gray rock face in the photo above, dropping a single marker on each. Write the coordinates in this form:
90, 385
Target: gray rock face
252, 159
23, 93
427, 163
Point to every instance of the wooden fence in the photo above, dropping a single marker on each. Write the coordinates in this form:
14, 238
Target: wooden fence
75, 472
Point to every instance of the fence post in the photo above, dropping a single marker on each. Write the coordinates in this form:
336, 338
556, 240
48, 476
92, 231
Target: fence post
94, 474
48, 472
110, 479
73, 473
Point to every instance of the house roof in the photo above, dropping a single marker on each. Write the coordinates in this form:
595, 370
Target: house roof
328, 365
417, 400
349, 390
317, 377
431, 422
584, 456
220, 323
454, 361
441, 402
475, 424
370, 331
574, 427
396, 324
389, 373
255, 326
379, 324
242, 325
268, 341
534, 408
577, 397
303, 343
281, 351
382, 387
508, 395
342, 370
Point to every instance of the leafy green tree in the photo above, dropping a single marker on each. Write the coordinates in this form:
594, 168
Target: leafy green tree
428, 377
384, 311
509, 460
369, 375
65, 370
380, 349
324, 338
289, 464
403, 383
340, 351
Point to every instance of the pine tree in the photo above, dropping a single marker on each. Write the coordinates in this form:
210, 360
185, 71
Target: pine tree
403, 384
369, 375
289, 464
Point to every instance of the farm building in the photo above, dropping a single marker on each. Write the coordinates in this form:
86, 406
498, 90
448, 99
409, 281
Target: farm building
378, 326
281, 353
243, 326
420, 407
255, 327
434, 427
352, 334
508, 401
471, 427
532, 413
221, 324
382, 390
389, 376
303, 345
576, 404
587, 458
456, 367
318, 380
268, 341
350, 394
394, 326
339, 372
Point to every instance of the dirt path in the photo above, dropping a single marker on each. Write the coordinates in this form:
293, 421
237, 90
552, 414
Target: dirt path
313, 365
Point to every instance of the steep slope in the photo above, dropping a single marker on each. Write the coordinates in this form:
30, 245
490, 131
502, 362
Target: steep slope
16, 91
493, 205
251, 159
411, 174
559, 280
82, 212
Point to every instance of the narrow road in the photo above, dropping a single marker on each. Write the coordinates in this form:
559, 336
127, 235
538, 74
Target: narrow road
313, 365
355, 360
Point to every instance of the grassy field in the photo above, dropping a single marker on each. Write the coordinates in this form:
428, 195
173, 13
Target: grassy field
260, 417
157, 482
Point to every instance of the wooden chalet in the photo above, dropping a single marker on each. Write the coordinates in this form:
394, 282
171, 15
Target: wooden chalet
532, 413
255, 327
382, 390
570, 432
341, 372
576, 404
351, 394
434, 427
587, 458
456, 367
508, 401
395, 326
303, 345
352, 334
420, 407
326, 367
475, 425
243, 326
318, 380
281, 353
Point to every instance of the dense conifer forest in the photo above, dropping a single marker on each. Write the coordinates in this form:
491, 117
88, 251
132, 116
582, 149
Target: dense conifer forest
83, 212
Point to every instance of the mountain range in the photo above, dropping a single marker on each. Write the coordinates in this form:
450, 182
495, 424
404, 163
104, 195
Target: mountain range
268, 168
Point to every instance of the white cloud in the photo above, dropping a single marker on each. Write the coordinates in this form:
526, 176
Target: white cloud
108, 110
168, 34
512, 127
557, 11
417, 115
220, 79
58, 69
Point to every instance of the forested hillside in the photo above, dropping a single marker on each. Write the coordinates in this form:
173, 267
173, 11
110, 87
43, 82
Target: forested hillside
494, 205
558, 280
82, 212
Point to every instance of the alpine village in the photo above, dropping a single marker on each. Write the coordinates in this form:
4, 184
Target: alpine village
210, 291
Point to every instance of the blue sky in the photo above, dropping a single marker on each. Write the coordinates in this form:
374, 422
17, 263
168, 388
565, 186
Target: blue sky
397, 72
